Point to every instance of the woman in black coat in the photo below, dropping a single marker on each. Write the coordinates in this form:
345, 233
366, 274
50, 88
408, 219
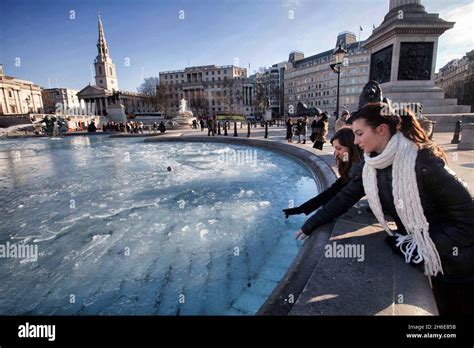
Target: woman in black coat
289, 130
347, 154
432, 208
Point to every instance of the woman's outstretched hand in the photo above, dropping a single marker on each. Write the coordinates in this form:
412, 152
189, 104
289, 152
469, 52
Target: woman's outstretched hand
300, 235
292, 211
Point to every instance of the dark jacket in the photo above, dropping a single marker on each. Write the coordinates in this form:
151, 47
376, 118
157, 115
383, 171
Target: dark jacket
447, 204
324, 197
289, 129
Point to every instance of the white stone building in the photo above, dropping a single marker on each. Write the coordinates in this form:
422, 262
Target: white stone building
60, 100
456, 79
19, 96
210, 90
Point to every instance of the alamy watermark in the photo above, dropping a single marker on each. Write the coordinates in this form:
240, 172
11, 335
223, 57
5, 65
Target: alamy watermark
29, 252
37, 331
247, 157
348, 251
403, 109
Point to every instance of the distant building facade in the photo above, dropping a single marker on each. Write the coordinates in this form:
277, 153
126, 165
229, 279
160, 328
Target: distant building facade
456, 78
19, 96
60, 100
311, 80
270, 85
210, 89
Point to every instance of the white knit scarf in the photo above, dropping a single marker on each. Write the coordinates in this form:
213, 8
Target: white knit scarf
401, 153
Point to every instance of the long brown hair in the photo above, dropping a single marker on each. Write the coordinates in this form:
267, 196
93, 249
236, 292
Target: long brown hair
345, 137
404, 121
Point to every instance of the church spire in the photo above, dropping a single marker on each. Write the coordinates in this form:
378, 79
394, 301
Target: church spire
105, 74
101, 43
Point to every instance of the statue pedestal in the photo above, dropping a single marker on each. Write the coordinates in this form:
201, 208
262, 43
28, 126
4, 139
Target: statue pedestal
184, 118
268, 115
467, 137
403, 57
183, 122
116, 113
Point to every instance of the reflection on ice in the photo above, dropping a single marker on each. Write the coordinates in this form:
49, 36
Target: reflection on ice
119, 234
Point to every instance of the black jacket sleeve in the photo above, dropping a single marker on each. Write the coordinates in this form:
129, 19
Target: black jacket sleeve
453, 203
323, 197
340, 203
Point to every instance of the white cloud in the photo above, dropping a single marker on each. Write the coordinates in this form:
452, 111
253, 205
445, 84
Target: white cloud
461, 34
291, 3
457, 41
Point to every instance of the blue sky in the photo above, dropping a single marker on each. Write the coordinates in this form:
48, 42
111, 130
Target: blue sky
53, 48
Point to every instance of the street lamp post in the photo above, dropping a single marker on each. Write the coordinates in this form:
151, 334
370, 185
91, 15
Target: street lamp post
339, 53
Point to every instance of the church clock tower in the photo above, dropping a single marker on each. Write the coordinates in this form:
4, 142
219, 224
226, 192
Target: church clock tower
105, 74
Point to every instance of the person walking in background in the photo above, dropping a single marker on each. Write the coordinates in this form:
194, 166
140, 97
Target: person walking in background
298, 130
289, 130
341, 121
304, 128
92, 128
320, 131
162, 127
210, 128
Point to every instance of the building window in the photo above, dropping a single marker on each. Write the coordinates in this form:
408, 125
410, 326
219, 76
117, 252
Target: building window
110, 70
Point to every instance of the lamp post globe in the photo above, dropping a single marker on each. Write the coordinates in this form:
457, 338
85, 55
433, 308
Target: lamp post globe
339, 53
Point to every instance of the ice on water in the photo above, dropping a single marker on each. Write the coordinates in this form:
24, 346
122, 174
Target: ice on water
119, 234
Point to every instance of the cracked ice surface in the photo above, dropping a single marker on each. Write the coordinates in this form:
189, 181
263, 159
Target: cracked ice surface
119, 234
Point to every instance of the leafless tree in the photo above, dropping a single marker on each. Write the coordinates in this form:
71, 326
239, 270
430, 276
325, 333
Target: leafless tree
149, 89
200, 104
165, 99
232, 94
261, 94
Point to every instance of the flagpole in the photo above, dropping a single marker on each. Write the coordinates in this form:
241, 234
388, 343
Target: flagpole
360, 29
